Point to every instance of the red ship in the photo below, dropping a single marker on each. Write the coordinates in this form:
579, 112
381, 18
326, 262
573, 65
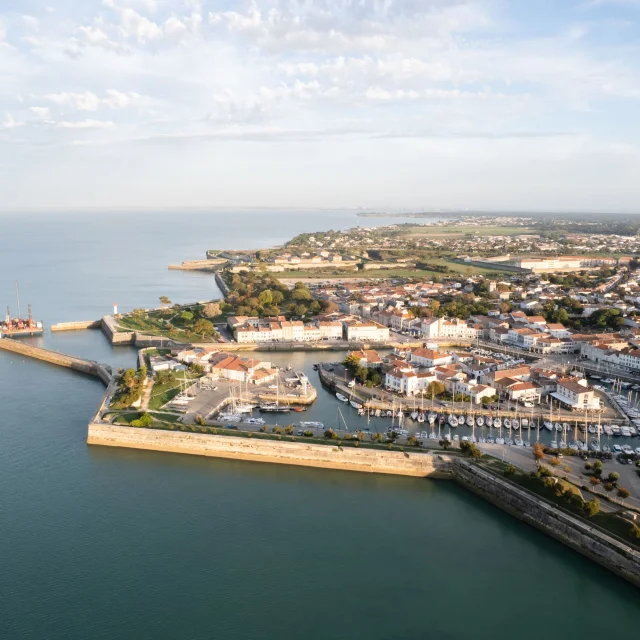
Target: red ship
16, 327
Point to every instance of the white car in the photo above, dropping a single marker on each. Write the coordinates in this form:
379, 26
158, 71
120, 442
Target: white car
528, 404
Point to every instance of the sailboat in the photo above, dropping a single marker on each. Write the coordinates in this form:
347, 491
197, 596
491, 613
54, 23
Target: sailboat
275, 407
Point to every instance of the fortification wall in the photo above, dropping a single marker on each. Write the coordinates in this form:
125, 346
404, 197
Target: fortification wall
258, 450
574, 532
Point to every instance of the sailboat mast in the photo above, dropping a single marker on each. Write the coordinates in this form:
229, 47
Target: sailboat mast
18, 298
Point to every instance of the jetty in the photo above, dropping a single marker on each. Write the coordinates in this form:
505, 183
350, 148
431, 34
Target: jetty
88, 367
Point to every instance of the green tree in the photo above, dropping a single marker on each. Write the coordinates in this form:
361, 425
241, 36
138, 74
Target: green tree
435, 388
509, 470
266, 298
613, 477
203, 327
592, 507
187, 316
444, 443
164, 301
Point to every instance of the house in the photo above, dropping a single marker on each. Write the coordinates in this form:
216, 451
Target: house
576, 394
525, 391
243, 369
428, 358
368, 358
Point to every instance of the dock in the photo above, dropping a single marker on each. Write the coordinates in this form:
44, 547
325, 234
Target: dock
88, 367
76, 326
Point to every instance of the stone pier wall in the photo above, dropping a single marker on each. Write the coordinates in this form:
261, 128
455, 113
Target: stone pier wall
258, 450
606, 550
89, 367
76, 326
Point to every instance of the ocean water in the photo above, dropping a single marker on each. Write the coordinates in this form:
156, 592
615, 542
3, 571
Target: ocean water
111, 544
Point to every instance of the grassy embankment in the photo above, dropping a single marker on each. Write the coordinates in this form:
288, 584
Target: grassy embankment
447, 232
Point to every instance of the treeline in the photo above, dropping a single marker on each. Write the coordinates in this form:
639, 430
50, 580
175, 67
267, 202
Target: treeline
130, 388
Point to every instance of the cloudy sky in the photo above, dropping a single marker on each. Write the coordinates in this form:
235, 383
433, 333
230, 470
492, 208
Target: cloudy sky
489, 104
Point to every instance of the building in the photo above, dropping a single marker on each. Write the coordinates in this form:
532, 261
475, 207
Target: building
355, 331
576, 394
368, 358
428, 358
562, 263
243, 369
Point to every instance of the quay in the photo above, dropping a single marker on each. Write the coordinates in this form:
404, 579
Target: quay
88, 367
371, 399
76, 326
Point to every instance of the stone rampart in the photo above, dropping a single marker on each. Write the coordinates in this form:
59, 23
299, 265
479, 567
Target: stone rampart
76, 326
259, 450
606, 550
88, 367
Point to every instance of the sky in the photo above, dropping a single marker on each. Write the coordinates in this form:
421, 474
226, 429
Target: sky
397, 104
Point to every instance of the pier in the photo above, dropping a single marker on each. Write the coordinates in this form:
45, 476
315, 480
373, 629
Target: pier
88, 367
76, 326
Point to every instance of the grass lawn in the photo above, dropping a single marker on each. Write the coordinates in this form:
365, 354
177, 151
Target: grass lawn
163, 393
618, 526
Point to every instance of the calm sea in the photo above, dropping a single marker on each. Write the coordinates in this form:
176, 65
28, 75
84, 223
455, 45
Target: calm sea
111, 544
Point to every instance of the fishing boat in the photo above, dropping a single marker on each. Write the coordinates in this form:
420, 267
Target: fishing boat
342, 398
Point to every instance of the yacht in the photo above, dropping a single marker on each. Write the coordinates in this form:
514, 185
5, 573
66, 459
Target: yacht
497, 422
524, 423
554, 444
519, 442
432, 417
472, 439
615, 431
460, 419
606, 448
480, 421
607, 429
354, 404
456, 438
548, 426
342, 398
469, 421
311, 425
507, 423
633, 432
421, 417
594, 445
453, 421
414, 415
499, 440
625, 432
272, 407
515, 423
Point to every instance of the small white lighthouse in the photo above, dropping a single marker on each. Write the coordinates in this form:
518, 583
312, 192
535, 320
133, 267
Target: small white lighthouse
115, 308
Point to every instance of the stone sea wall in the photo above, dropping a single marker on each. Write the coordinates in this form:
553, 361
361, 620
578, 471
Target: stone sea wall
76, 326
575, 533
258, 450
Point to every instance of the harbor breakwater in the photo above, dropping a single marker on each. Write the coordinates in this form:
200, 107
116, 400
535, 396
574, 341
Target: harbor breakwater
76, 326
258, 450
604, 549
89, 367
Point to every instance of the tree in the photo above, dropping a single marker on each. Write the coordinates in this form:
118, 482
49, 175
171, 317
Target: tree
444, 443
412, 441
301, 293
203, 327
266, 298
330, 434
212, 309
186, 315
509, 470
435, 388
164, 301
613, 477
592, 507
538, 452
623, 493
199, 420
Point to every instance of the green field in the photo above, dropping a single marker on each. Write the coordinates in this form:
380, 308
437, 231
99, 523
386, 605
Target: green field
470, 229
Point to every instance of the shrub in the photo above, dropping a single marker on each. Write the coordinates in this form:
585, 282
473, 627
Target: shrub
623, 493
593, 480
509, 470
608, 486
588, 466
277, 429
613, 477
308, 434
592, 507
597, 464
543, 472
200, 420
330, 434
554, 462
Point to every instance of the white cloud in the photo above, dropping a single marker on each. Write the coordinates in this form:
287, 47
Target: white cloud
9, 122
84, 124
89, 101
41, 113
